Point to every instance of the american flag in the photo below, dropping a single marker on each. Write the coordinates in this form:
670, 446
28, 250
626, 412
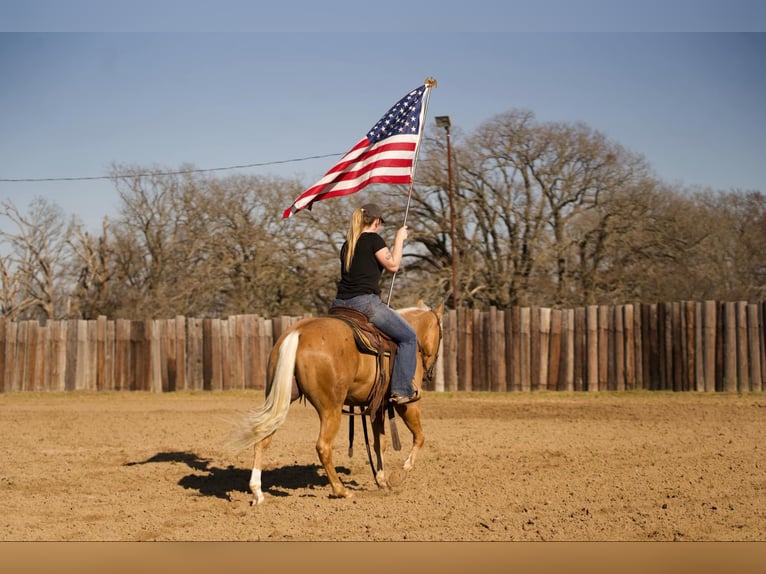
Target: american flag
385, 155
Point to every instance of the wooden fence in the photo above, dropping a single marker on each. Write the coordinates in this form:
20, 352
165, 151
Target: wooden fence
686, 346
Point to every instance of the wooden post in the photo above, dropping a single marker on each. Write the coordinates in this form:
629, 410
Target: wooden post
122, 355
525, 341
171, 355
11, 332
71, 355
709, 317
554, 350
515, 371
450, 347
677, 344
754, 351
487, 364
497, 333
91, 338
194, 353
478, 382
592, 348
603, 347
690, 358
667, 346
44, 356
3, 351
228, 352
180, 353
579, 338
730, 347
207, 354
101, 343
465, 357
252, 352
619, 348
139, 372
110, 350
566, 378
265, 343
699, 356
154, 358
480, 352
654, 362
743, 368
720, 337
236, 332
544, 328
534, 348
632, 346
30, 369
762, 338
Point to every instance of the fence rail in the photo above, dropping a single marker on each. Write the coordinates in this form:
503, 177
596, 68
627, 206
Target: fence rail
685, 346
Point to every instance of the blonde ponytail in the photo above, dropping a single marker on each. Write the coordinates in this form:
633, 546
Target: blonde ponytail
359, 220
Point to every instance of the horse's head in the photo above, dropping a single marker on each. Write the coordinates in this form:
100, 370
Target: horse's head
428, 326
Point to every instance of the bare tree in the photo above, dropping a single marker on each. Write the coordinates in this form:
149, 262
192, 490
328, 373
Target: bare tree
33, 268
91, 264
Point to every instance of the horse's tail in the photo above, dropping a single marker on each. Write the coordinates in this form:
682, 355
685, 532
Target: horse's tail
258, 424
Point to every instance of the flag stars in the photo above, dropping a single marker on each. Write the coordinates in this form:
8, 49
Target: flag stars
402, 118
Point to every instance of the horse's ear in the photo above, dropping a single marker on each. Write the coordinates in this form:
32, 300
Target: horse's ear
440, 309
422, 304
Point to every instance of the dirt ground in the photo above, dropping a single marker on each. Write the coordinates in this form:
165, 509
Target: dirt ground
495, 467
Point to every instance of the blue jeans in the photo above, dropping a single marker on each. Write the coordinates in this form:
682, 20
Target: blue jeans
396, 327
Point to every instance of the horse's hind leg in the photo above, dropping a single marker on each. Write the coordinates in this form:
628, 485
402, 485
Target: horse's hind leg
328, 428
255, 476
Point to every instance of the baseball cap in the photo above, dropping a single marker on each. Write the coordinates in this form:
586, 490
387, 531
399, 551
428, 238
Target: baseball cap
374, 211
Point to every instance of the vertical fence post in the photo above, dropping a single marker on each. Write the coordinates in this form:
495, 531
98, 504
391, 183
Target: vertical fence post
592, 346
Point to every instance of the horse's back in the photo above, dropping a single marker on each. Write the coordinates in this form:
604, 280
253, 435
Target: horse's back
328, 359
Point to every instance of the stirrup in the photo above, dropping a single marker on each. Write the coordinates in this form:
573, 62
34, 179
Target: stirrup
397, 400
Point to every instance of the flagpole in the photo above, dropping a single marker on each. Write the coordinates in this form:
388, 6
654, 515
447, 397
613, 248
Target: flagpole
429, 83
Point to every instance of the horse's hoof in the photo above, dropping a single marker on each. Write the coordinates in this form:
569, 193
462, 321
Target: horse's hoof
257, 500
342, 494
394, 479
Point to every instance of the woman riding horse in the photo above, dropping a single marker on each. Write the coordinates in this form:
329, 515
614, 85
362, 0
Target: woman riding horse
318, 359
363, 257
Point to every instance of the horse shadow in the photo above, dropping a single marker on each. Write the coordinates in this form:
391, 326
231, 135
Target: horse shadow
222, 482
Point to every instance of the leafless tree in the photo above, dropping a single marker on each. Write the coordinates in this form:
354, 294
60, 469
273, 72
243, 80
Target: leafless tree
33, 265
91, 264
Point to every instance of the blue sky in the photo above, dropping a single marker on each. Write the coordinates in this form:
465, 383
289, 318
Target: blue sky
682, 82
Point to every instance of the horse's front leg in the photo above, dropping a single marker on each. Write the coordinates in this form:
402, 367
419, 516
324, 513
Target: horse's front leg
410, 414
379, 446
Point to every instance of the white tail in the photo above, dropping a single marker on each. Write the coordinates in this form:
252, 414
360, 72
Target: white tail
258, 424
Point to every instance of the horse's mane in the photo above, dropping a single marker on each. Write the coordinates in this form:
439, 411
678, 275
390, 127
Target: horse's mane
408, 309
421, 306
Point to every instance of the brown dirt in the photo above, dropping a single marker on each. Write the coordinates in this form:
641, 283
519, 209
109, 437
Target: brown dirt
510, 467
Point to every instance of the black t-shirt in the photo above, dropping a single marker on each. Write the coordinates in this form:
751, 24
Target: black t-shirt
363, 278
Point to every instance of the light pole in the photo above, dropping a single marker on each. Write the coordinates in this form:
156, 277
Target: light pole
444, 122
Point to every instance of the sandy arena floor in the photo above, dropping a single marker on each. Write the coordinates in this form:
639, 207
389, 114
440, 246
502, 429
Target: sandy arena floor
495, 467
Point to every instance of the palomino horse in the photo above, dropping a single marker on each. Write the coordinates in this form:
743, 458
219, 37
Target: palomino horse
317, 358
